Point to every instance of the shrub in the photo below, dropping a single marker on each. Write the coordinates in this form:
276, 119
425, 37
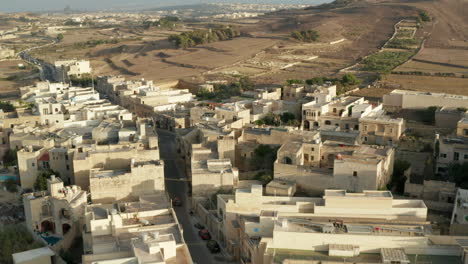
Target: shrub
306, 36
424, 17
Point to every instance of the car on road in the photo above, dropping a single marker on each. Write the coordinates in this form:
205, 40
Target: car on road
176, 201
213, 246
204, 234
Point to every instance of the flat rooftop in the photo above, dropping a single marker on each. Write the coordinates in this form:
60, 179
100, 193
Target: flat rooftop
344, 193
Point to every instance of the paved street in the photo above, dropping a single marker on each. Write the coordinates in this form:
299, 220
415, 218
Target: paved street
177, 186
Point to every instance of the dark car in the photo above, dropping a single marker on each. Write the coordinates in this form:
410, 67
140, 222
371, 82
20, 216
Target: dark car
176, 201
204, 234
213, 246
199, 226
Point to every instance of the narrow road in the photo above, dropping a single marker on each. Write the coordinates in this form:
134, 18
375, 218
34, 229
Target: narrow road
177, 186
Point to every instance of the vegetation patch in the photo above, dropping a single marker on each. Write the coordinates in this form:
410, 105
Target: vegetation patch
14, 239
197, 37
385, 61
168, 22
403, 43
306, 36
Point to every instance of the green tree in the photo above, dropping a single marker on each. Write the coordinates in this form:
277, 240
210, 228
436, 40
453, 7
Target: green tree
7, 106
424, 17
10, 158
41, 181
246, 84
264, 158
60, 37
458, 173
315, 80
350, 79
11, 186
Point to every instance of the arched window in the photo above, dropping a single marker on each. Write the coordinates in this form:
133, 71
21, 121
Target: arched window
327, 122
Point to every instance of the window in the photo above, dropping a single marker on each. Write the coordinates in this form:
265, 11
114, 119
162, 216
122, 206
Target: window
33, 164
68, 167
456, 156
334, 110
327, 122
443, 155
465, 132
66, 156
45, 111
365, 139
306, 157
356, 127
312, 158
312, 149
355, 173
465, 156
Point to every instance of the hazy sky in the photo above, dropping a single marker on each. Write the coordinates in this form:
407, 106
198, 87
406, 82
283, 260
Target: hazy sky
50, 5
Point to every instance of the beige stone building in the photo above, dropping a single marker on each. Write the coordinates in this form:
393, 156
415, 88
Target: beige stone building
249, 216
56, 213
380, 129
315, 165
66, 68
404, 99
141, 178
146, 231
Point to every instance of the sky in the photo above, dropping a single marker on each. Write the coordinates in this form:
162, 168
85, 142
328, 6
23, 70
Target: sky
55, 5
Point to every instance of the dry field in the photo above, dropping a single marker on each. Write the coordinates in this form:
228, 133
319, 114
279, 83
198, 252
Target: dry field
9, 89
438, 60
417, 83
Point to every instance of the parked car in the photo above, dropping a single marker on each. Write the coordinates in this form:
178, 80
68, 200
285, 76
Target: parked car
176, 202
204, 234
199, 226
213, 246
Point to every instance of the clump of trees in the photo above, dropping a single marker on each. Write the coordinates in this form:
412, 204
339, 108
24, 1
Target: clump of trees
168, 22
306, 35
424, 17
10, 158
222, 92
263, 159
7, 106
13, 239
457, 174
272, 119
197, 37
86, 80
41, 181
